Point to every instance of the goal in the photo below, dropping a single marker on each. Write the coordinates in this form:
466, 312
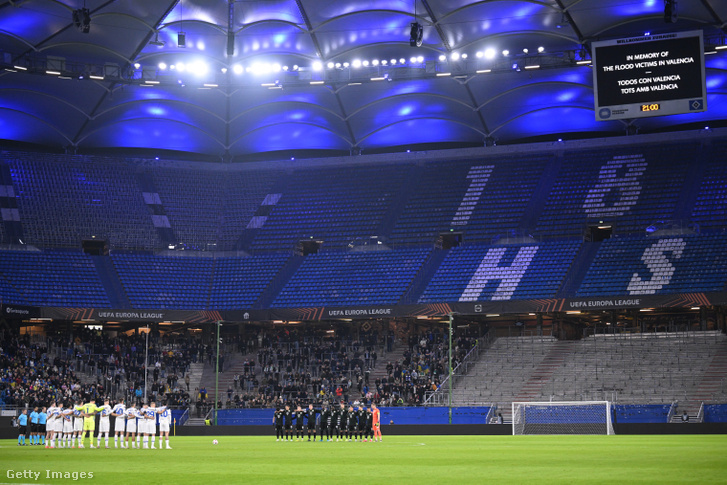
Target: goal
567, 417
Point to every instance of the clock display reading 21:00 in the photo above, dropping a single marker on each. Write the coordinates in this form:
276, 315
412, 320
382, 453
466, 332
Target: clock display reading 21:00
650, 107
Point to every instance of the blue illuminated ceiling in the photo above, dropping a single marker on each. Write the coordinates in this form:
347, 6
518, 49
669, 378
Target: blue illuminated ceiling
275, 78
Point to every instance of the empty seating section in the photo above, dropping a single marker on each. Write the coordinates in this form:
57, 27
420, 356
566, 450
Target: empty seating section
164, 282
239, 282
64, 199
194, 201
640, 413
715, 413
710, 208
245, 192
10, 294
431, 209
624, 368
508, 192
335, 204
653, 265
480, 272
501, 371
629, 187
352, 278
638, 368
53, 278
482, 200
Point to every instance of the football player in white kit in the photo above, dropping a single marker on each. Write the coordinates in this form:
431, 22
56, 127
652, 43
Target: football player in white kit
77, 425
146, 424
119, 412
165, 420
140, 425
131, 425
67, 437
151, 415
50, 425
58, 426
104, 423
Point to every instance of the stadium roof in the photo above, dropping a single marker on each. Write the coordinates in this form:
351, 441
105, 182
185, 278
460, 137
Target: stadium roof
281, 78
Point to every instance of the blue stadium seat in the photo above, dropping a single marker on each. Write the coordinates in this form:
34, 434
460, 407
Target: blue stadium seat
64, 199
640, 413
481, 199
336, 204
542, 279
239, 282
700, 264
658, 176
165, 282
715, 413
51, 278
352, 278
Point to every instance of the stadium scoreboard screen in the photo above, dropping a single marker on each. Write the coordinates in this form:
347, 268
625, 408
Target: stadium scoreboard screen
652, 75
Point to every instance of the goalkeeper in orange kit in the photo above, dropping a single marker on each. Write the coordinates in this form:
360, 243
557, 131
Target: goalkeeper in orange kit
376, 422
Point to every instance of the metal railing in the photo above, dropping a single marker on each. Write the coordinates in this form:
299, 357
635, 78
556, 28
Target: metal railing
672, 410
439, 396
668, 329
184, 417
700, 414
11, 408
490, 413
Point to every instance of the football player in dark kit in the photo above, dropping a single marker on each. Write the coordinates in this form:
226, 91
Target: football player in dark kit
352, 416
326, 422
288, 422
278, 421
361, 417
369, 431
340, 420
299, 417
310, 416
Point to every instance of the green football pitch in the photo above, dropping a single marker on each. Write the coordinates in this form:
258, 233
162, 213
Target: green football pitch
398, 459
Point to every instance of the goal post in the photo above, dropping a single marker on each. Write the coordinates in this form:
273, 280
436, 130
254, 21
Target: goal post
564, 417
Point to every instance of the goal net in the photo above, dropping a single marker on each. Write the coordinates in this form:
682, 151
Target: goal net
568, 417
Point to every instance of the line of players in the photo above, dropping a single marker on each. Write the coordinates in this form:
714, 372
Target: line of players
69, 424
339, 423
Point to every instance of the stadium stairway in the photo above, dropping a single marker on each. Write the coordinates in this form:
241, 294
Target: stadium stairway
276, 285
195, 377
11, 224
709, 388
552, 361
501, 372
379, 371
424, 276
578, 269
156, 207
398, 202
194, 421
540, 194
274, 193
227, 376
111, 282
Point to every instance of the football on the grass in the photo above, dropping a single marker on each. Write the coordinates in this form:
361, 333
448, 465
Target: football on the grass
214, 442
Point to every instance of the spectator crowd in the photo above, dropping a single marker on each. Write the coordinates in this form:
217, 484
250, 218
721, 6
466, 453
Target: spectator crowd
288, 365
